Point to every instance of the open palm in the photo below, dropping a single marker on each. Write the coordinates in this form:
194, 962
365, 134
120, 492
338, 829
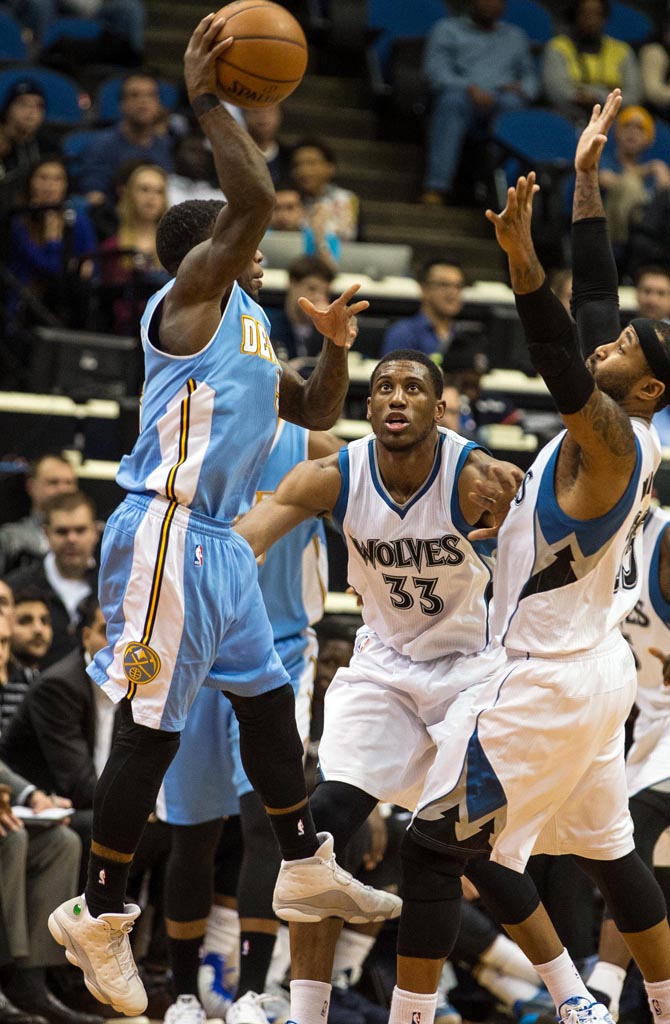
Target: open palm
593, 138
338, 321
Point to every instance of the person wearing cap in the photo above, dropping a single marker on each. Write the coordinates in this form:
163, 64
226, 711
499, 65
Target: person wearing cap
24, 139
629, 180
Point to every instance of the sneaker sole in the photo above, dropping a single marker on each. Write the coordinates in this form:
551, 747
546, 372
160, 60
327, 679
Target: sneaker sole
61, 937
297, 913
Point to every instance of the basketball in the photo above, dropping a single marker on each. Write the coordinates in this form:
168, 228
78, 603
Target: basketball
268, 58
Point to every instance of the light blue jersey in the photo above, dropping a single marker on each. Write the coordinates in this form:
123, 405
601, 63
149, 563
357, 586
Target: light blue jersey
208, 419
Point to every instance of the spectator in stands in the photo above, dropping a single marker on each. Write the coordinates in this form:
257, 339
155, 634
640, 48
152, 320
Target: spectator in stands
24, 542
475, 66
289, 214
6, 602
141, 134
31, 638
654, 61
129, 263
560, 282
194, 175
465, 368
435, 329
68, 572
292, 332
48, 239
119, 17
629, 181
313, 167
652, 292
24, 139
264, 124
453, 406
582, 65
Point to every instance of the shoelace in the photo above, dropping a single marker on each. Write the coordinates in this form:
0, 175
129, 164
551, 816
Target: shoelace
119, 947
582, 1016
192, 1014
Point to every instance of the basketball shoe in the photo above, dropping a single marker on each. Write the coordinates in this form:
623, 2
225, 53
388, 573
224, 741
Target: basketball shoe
100, 946
313, 888
186, 1010
579, 1010
250, 1009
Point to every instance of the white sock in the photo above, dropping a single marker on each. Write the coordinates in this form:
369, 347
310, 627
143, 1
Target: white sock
411, 1007
505, 956
350, 954
658, 994
505, 987
608, 979
310, 1001
562, 979
281, 959
223, 931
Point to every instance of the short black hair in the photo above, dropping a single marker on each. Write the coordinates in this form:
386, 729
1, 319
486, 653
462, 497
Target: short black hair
651, 268
572, 10
308, 266
443, 261
29, 593
324, 149
411, 355
86, 611
137, 74
183, 227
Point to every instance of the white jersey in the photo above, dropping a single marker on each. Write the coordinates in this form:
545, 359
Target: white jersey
565, 591
424, 586
648, 625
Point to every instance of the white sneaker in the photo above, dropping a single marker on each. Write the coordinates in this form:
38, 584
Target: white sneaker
187, 1010
217, 981
100, 946
277, 1004
314, 888
579, 1010
248, 1010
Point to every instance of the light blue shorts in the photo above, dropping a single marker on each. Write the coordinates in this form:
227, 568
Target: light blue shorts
179, 592
206, 778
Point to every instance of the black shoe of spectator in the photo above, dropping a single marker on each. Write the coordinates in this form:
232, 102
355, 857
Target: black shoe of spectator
47, 1005
350, 1005
10, 1014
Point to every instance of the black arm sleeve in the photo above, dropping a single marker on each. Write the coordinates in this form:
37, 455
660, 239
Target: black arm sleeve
553, 348
595, 285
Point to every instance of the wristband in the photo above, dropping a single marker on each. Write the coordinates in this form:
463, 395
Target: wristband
205, 102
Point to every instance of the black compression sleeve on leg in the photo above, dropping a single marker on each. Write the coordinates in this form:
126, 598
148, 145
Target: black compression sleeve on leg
431, 891
476, 935
509, 896
228, 858
340, 809
595, 284
260, 863
632, 894
553, 349
190, 871
126, 791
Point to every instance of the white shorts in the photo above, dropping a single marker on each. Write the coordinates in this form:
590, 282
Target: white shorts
379, 715
536, 755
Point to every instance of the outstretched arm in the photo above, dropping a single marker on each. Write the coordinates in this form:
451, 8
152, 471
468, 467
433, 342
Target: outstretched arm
595, 295
211, 267
597, 426
310, 489
317, 402
485, 489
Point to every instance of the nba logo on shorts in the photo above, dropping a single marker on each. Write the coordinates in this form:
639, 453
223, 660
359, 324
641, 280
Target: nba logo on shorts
197, 555
416, 1017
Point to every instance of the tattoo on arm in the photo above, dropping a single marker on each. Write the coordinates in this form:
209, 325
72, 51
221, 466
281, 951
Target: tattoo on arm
527, 275
587, 201
610, 423
318, 403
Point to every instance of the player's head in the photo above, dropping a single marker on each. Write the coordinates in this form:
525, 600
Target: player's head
634, 370
183, 227
405, 402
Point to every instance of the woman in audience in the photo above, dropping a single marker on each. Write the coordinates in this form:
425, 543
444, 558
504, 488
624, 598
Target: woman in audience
655, 70
313, 169
48, 239
129, 265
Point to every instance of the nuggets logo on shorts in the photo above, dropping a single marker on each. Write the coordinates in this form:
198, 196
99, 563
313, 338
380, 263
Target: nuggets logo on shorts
141, 664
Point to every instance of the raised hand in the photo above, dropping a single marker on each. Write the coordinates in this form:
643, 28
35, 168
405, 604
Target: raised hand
493, 494
338, 321
593, 138
513, 224
201, 56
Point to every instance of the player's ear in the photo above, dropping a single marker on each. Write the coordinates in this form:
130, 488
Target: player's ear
367, 415
652, 390
440, 408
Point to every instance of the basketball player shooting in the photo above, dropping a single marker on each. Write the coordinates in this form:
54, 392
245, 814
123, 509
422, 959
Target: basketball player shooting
178, 588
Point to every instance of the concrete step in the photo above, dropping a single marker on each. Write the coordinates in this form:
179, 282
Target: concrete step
455, 220
348, 122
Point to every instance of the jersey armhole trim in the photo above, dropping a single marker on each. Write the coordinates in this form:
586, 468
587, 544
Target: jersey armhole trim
340, 509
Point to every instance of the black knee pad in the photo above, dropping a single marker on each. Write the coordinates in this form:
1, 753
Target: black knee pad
270, 746
190, 870
630, 890
260, 863
509, 896
431, 890
228, 858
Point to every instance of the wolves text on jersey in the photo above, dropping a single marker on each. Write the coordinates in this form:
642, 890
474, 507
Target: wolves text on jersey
416, 552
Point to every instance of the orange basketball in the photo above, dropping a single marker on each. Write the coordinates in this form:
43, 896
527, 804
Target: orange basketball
268, 58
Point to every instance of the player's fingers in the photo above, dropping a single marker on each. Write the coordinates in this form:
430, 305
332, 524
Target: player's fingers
213, 29
307, 306
225, 44
512, 196
202, 25
595, 113
493, 217
656, 653
359, 307
483, 534
347, 295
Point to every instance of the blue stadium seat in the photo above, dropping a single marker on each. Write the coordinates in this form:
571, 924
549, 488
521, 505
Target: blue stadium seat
109, 96
394, 19
74, 145
12, 46
66, 102
628, 23
536, 137
71, 28
532, 17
